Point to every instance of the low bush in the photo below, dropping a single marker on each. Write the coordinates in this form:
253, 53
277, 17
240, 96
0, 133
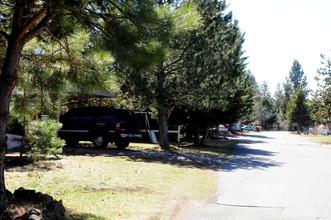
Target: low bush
42, 139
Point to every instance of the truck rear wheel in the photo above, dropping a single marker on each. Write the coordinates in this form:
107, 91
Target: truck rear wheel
100, 141
122, 144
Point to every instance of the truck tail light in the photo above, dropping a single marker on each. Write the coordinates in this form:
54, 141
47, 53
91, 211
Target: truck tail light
118, 127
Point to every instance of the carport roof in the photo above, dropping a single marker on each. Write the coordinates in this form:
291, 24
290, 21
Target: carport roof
101, 94
92, 93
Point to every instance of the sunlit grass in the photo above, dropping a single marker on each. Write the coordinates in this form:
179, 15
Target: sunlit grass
323, 139
109, 187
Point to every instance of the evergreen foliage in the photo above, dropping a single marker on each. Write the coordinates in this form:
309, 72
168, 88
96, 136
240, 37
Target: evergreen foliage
265, 112
162, 87
321, 100
214, 62
203, 70
46, 74
297, 111
295, 79
42, 139
126, 28
280, 106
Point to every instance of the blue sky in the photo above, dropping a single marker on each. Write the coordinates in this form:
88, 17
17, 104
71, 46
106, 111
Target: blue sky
279, 31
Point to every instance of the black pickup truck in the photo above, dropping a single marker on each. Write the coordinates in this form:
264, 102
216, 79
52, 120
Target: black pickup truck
100, 125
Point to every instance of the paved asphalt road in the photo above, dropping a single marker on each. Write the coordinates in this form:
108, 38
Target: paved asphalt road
273, 176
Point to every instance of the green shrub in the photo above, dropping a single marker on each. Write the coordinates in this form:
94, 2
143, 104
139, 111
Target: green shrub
42, 139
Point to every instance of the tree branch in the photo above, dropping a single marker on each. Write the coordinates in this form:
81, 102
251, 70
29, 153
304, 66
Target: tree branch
66, 48
178, 59
42, 25
4, 34
31, 22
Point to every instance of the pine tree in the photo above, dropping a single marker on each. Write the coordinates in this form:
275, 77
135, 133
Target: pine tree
321, 100
265, 113
129, 25
203, 66
220, 89
161, 87
295, 79
280, 106
297, 111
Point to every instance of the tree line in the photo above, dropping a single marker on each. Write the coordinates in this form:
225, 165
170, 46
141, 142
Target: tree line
294, 106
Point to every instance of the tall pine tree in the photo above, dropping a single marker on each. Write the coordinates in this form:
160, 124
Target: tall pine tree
297, 110
220, 89
129, 25
321, 100
203, 67
296, 78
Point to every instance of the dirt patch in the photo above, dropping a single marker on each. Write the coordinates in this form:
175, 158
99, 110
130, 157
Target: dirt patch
121, 189
183, 207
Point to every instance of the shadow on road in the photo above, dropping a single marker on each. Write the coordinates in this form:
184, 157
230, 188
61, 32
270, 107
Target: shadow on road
248, 158
249, 163
249, 141
242, 150
256, 136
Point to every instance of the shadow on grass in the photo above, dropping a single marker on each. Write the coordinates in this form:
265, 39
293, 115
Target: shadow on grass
83, 216
202, 157
25, 164
205, 157
16, 161
213, 147
212, 156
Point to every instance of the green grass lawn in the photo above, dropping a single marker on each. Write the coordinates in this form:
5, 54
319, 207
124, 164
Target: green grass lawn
105, 186
320, 138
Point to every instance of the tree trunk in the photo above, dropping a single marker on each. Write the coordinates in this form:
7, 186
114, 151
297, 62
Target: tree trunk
189, 132
205, 135
163, 127
8, 80
163, 107
231, 129
2, 178
196, 135
25, 27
